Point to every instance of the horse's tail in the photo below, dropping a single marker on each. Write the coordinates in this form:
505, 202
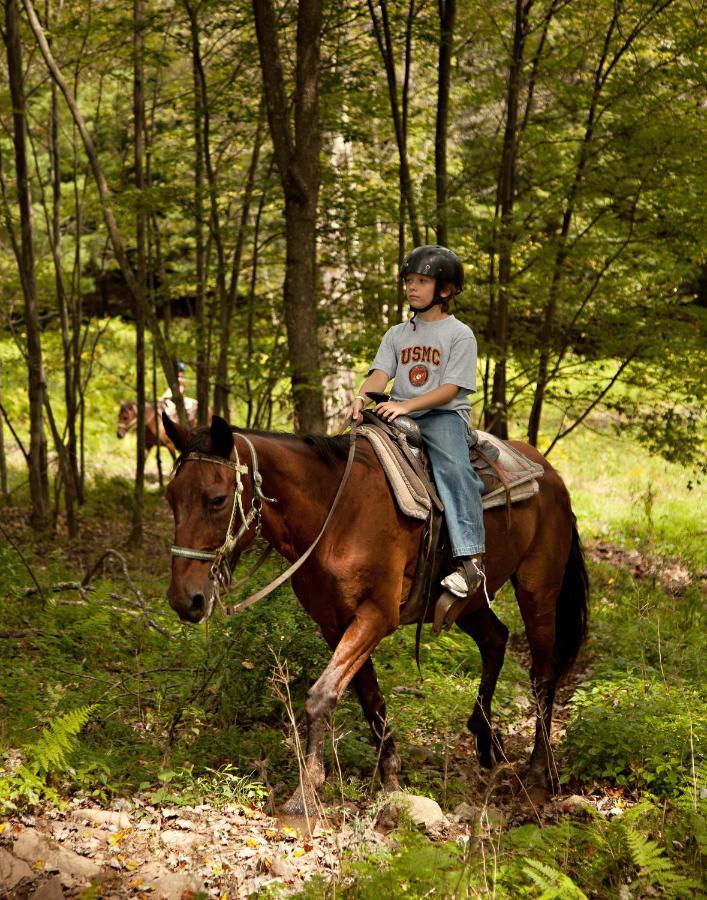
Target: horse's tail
572, 609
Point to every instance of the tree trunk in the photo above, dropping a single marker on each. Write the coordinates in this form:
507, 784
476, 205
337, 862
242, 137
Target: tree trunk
140, 231
497, 415
68, 452
447, 12
38, 476
297, 157
222, 387
4, 494
604, 67
385, 45
107, 209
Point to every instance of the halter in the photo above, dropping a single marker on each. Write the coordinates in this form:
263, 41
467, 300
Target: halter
220, 573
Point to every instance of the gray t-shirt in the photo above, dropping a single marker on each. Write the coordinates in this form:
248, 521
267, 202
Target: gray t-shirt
423, 358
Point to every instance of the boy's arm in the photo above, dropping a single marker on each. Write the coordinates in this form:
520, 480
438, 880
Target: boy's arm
376, 381
437, 397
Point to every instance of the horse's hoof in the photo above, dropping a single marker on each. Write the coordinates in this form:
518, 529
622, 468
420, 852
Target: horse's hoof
537, 790
489, 751
300, 804
390, 784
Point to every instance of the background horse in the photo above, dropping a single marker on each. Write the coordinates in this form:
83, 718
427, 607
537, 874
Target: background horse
127, 420
362, 569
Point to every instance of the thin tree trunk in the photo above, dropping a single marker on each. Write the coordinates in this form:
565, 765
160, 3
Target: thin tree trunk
297, 157
602, 72
140, 229
385, 45
497, 415
201, 121
107, 209
4, 494
222, 386
38, 475
447, 13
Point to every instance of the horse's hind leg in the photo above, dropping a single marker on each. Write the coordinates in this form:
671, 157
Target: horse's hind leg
491, 636
373, 705
538, 611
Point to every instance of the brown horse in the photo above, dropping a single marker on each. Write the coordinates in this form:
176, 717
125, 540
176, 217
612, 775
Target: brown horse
361, 572
154, 431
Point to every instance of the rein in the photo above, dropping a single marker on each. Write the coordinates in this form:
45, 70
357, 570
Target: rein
221, 572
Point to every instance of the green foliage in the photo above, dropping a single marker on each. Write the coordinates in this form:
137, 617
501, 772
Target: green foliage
27, 783
417, 868
49, 754
217, 787
639, 734
549, 882
655, 870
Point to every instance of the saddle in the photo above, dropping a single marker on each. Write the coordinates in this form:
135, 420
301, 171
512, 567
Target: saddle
508, 477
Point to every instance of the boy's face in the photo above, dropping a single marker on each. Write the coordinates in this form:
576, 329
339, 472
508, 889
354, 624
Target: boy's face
420, 290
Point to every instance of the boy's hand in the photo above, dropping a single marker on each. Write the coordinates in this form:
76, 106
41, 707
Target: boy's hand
391, 409
356, 409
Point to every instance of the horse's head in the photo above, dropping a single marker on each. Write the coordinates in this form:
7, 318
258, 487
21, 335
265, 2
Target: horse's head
202, 495
127, 417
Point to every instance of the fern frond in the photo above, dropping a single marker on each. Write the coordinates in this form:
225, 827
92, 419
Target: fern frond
50, 752
553, 884
654, 867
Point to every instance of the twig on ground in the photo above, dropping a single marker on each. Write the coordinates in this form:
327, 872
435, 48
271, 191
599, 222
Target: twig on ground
139, 602
61, 586
22, 632
24, 561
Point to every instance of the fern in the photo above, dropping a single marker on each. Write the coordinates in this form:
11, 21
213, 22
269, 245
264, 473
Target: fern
553, 884
49, 754
655, 869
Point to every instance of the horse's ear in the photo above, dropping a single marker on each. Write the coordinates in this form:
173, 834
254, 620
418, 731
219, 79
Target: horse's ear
221, 437
178, 435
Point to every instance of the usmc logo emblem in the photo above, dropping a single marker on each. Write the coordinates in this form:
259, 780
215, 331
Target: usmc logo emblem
418, 375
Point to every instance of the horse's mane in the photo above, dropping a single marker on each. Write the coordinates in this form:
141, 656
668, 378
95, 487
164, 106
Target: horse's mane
330, 449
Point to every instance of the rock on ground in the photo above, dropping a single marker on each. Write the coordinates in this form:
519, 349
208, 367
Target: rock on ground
12, 871
36, 848
421, 810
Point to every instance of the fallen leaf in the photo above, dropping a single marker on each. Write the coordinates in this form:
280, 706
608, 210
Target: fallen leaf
118, 836
247, 664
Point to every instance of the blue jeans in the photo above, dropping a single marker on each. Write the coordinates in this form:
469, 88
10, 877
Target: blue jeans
447, 437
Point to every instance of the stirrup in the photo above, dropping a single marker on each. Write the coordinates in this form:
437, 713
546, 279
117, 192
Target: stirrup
447, 610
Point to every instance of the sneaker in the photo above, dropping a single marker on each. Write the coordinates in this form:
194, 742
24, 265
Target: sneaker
466, 579
455, 583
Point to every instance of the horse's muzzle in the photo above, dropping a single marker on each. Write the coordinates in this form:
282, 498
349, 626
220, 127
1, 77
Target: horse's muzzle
198, 610
120, 433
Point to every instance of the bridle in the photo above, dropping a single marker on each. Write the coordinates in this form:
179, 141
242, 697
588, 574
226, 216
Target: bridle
220, 573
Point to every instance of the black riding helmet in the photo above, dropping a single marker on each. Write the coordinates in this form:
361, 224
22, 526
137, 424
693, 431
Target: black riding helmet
436, 262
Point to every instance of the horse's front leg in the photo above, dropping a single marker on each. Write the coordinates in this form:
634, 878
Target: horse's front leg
357, 643
373, 706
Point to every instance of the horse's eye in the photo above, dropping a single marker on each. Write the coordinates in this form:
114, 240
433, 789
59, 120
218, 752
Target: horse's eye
217, 502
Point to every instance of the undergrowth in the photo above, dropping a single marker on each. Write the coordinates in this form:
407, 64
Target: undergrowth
102, 699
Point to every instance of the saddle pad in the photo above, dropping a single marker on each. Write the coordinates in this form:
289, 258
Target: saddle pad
515, 468
410, 493
408, 490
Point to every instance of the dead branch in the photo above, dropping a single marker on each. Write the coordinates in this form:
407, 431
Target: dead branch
139, 602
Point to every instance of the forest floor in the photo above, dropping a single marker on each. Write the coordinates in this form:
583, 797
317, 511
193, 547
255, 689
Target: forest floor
145, 758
